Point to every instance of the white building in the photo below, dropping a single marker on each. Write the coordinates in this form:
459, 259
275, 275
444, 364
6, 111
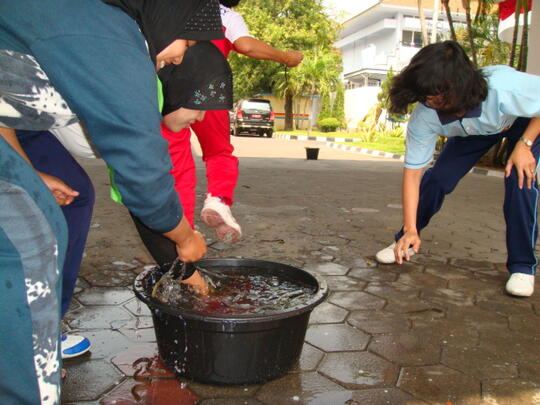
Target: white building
384, 34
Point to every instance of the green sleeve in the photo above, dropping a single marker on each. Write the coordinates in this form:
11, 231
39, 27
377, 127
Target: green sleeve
114, 192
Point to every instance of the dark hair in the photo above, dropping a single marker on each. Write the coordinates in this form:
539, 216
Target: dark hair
229, 3
439, 69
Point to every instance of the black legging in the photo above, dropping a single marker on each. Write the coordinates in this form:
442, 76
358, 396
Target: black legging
161, 248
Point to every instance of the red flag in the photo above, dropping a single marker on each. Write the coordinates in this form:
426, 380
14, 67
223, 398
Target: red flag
507, 20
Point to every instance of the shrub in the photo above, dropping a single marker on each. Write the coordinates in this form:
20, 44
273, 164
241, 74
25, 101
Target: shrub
329, 124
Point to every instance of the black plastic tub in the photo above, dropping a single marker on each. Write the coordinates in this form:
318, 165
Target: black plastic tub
312, 153
231, 349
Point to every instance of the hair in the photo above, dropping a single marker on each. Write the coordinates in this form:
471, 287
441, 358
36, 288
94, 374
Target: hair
229, 3
439, 69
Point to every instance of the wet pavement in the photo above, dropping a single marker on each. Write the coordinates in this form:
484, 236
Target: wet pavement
439, 330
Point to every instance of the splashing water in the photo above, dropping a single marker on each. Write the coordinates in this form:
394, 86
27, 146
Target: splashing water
238, 291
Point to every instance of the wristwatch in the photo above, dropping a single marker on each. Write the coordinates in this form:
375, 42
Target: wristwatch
526, 141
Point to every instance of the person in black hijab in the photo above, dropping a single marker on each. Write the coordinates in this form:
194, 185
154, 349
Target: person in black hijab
203, 81
164, 21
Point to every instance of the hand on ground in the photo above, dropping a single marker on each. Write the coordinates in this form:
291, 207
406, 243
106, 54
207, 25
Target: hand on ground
408, 240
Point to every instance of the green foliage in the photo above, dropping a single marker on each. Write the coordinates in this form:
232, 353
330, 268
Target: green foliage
328, 124
339, 105
366, 132
384, 101
490, 50
326, 106
288, 24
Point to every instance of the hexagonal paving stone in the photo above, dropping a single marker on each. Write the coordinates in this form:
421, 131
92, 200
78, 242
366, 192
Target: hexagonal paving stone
440, 385
359, 369
146, 391
237, 392
146, 335
480, 362
407, 348
411, 306
328, 269
445, 297
429, 259
477, 318
356, 300
393, 291
344, 283
425, 280
476, 287
506, 305
295, 389
88, 380
448, 272
380, 396
95, 317
137, 308
374, 274
109, 276
106, 343
309, 359
336, 337
142, 361
327, 313
378, 321
231, 401
447, 333
511, 392
475, 265
105, 296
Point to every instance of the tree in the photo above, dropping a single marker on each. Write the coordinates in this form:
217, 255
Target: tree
285, 24
446, 4
423, 26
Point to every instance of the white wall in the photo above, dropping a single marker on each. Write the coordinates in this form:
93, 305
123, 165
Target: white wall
533, 58
357, 104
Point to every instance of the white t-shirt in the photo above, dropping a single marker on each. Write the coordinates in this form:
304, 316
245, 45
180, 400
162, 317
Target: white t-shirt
235, 26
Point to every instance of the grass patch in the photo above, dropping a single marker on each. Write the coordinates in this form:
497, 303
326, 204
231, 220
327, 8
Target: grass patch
382, 143
326, 134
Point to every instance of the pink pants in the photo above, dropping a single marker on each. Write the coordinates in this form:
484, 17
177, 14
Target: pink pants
221, 166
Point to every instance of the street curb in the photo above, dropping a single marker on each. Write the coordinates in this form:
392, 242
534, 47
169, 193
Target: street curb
331, 143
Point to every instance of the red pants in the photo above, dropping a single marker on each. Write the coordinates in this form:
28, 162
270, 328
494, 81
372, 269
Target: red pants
221, 166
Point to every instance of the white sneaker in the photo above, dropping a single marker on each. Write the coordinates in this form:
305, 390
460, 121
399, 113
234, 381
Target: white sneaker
217, 214
520, 285
387, 256
73, 345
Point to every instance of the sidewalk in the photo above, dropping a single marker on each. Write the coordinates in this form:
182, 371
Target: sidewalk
438, 331
337, 143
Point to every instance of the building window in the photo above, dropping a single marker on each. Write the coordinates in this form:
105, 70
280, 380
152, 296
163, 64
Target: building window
411, 38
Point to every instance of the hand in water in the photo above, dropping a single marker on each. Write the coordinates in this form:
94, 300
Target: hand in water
197, 282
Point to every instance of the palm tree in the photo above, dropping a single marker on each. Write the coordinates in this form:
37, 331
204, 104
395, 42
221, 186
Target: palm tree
468, 19
446, 4
435, 19
423, 26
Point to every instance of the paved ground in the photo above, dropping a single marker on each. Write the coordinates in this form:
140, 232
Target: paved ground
439, 330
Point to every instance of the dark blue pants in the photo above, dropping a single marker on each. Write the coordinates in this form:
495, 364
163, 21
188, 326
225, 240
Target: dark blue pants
520, 205
40, 146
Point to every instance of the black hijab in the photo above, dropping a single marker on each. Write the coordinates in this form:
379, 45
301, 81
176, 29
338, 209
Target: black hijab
164, 21
203, 81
